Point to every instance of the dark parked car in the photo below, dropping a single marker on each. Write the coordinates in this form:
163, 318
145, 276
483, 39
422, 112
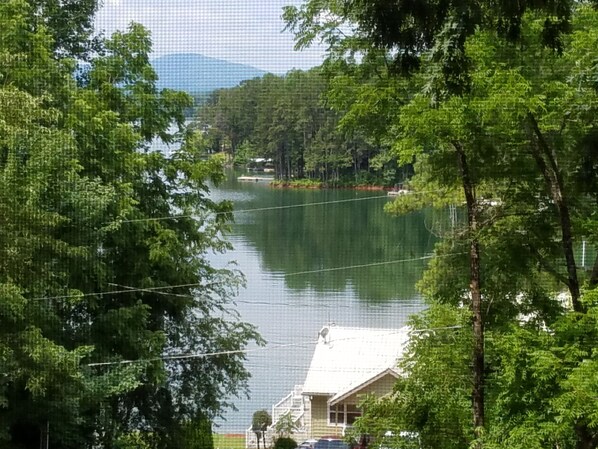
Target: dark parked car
332, 443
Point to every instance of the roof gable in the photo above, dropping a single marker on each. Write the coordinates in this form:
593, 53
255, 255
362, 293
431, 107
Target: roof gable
358, 386
348, 356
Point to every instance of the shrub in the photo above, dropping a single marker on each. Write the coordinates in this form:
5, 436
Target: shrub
285, 443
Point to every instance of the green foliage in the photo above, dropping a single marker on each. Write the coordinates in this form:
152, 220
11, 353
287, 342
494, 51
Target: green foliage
285, 443
195, 434
91, 242
296, 121
546, 381
70, 23
259, 424
433, 397
133, 440
499, 110
245, 152
284, 427
299, 184
407, 34
261, 420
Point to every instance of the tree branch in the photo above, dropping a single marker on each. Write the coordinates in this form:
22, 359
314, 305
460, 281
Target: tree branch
554, 181
549, 268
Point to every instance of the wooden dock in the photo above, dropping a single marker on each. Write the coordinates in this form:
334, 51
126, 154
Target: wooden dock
255, 179
398, 192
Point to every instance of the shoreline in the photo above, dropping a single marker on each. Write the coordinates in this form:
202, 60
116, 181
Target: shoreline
323, 186
308, 184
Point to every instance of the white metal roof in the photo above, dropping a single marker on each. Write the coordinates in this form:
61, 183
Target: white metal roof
347, 356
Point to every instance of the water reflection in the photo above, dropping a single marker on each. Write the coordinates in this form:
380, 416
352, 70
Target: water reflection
308, 245
291, 250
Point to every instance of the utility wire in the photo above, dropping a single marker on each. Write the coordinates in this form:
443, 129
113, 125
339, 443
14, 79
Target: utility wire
263, 209
264, 348
258, 209
367, 265
194, 355
117, 292
259, 303
150, 290
158, 290
161, 288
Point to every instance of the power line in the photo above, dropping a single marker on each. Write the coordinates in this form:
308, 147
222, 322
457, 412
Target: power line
117, 292
159, 290
367, 265
150, 290
207, 354
433, 329
258, 209
192, 355
406, 304
263, 348
263, 209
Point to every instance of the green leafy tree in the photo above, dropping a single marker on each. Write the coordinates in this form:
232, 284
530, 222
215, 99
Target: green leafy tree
293, 121
259, 424
285, 426
103, 284
70, 23
433, 399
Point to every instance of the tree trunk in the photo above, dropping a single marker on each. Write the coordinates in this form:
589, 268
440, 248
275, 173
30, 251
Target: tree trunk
477, 395
585, 438
548, 166
279, 165
554, 181
593, 282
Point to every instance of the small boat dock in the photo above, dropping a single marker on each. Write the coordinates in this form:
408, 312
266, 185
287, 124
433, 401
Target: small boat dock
398, 192
255, 179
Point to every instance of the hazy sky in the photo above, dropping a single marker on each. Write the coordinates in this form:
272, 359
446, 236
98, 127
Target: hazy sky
242, 31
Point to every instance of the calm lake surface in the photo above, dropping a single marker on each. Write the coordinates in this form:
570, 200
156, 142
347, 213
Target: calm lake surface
311, 264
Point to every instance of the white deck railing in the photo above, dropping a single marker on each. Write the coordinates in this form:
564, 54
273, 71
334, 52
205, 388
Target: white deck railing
291, 403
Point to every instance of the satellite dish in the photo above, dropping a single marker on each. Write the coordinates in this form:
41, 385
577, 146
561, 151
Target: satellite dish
324, 332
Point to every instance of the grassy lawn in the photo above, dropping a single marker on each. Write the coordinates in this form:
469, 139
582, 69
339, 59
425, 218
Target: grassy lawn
229, 441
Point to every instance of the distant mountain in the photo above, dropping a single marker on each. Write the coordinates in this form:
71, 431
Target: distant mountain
198, 74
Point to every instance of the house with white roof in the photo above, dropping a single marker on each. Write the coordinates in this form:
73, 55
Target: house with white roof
347, 364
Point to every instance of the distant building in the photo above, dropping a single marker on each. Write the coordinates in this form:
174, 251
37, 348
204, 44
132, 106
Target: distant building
347, 364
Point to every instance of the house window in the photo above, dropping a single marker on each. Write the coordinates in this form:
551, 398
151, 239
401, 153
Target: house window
351, 413
337, 414
342, 414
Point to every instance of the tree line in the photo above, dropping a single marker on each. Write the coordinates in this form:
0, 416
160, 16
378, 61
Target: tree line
107, 298
301, 121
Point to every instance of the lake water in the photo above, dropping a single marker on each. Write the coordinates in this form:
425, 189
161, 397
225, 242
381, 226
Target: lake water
313, 257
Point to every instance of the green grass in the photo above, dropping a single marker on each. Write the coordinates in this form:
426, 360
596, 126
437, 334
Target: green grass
229, 441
